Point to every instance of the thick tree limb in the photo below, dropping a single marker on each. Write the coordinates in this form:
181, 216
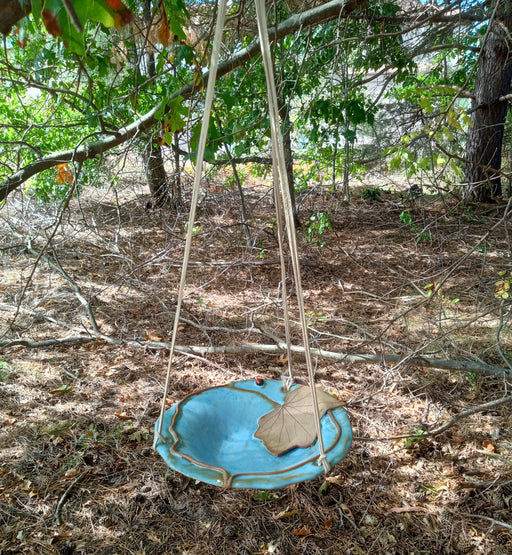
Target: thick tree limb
420, 361
315, 16
310, 18
11, 11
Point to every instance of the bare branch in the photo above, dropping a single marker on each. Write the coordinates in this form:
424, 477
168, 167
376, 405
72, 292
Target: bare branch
448, 424
455, 365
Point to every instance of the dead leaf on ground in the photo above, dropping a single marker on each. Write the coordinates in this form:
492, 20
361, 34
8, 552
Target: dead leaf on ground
286, 514
346, 511
292, 424
303, 531
122, 415
153, 336
338, 479
488, 446
8, 421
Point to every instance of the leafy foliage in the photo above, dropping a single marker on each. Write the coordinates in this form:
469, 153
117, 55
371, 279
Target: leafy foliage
79, 71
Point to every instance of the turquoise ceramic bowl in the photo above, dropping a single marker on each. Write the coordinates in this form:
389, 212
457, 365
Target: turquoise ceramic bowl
209, 436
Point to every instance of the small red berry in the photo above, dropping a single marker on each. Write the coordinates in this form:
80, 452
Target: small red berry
259, 381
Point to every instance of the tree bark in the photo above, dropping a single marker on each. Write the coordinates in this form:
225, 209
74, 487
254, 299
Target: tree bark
286, 125
155, 174
176, 177
153, 158
485, 139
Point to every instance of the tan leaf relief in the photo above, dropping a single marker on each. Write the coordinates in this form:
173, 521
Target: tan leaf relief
292, 424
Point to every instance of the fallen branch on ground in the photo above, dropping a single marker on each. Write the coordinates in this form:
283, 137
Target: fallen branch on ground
251, 348
65, 495
491, 520
448, 424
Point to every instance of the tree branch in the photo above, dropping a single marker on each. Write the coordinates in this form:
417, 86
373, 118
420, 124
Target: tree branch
448, 424
310, 18
442, 364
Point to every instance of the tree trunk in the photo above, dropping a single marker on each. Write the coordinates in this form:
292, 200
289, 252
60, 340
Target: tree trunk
485, 139
286, 125
153, 158
176, 177
155, 174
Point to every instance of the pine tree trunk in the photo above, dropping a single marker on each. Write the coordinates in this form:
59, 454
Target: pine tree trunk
156, 175
177, 199
286, 125
153, 159
485, 139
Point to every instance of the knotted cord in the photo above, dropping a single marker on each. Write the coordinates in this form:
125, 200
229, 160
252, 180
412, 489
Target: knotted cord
283, 205
284, 193
208, 103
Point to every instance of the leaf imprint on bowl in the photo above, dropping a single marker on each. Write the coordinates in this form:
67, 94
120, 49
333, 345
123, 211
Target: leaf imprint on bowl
292, 424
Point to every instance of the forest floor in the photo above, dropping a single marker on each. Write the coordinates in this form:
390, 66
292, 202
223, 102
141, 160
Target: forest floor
396, 275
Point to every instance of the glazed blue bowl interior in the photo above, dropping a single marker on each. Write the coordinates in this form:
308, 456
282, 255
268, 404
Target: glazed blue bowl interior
210, 436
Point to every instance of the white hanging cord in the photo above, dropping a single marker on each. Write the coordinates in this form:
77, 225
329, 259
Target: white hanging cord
210, 93
287, 380
277, 146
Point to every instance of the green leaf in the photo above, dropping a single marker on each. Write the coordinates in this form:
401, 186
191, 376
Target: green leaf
95, 10
356, 112
175, 115
426, 104
184, 53
455, 167
37, 7
139, 435
395, 162
61, 390
228, 99
70, 35
447, 133
324, 488
159, 114
350, 135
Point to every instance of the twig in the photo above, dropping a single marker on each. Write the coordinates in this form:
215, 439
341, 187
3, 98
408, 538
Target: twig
497, 456
469, 412
37, 314
498, 336
6, 343
74, 285
65, 495
491, 520
448, 424
60, 215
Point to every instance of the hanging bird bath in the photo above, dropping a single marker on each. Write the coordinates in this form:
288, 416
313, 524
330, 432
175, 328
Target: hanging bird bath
253, 434
210, 436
